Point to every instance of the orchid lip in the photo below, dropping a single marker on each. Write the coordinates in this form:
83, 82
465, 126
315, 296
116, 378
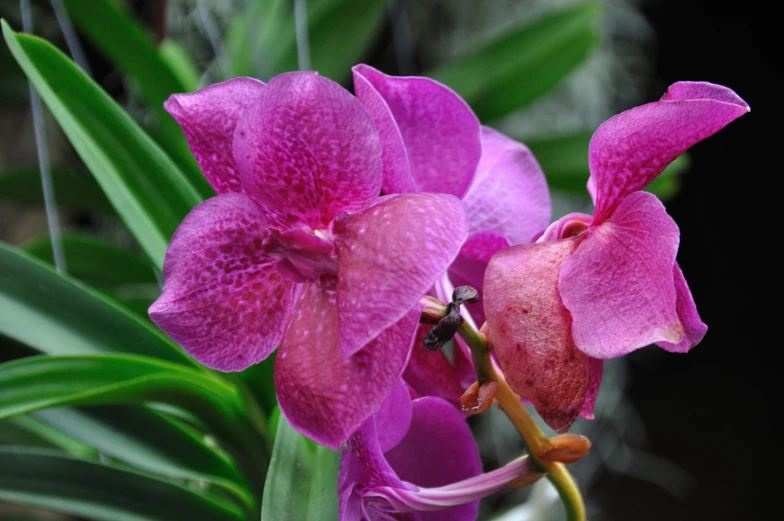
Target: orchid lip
303, 254
394, 499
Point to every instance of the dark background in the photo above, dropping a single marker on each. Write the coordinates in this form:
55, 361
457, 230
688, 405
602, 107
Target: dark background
712, 411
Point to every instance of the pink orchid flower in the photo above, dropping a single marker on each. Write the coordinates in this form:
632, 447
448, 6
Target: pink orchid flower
433, 142
299, 250
417, 461
599, 287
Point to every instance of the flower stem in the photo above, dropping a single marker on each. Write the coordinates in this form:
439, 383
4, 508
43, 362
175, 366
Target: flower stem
536, 440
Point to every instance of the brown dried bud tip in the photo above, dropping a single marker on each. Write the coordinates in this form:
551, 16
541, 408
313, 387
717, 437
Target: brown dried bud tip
433, 310
443, 332
565, 448
478, 398
465, 294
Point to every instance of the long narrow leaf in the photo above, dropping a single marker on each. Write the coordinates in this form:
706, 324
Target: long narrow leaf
151, 441
523, 63
32, 432
74, 190
102, 492
57, 315
126, 43
149, 192
302, 479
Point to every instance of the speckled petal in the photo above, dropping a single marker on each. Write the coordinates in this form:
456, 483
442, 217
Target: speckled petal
629, 150
208, 118
430, 136
223, 300
509, 195
531, 330
694, 328
323, 394
389, 256
618, 285
308, 150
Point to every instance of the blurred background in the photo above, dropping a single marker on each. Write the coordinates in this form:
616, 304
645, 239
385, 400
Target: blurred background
676, 437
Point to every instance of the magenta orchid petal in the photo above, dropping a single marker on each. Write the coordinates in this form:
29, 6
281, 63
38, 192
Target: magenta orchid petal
208, 118
323, 394
223, 300
394, 417
389, 256
308, 150
468, 269
429, 373
509, 195
429, 134
629, 150
595, 369
618, 284
694, 328
531, 330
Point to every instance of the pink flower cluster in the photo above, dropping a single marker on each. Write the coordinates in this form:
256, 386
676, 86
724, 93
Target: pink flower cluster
337, 213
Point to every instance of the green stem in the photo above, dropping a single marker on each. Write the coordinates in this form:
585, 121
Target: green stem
533, 436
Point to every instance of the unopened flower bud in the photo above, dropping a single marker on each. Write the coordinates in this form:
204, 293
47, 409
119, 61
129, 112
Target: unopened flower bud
565, 448
478, 398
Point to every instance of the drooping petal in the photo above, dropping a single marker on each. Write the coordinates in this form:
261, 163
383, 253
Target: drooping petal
429, 134
308, 150
223, 300
595, 369
694, 328
509, 195
618, 284
389, 256
323, 394
531, 330
394, 417
430, 373
208, 118
468, 269
439, 436
629, 150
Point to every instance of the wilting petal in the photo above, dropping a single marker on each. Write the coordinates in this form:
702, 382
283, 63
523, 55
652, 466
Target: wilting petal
394, 417
618, 284
629, 150
595, 369
439, 436
694, 328
509, 195
468, 269
208, 118
430, 373
531, 330
323, 394
429, 134
308, 149
389, 256
223, 300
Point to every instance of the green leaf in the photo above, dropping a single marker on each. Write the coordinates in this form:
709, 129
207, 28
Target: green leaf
339, 32
57, 315
41, 382
150, 441
180, 63
74, 190
523, 63
28, 431
564, 160
96, 261
147, 189
102, 492
127, 44
302, 479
